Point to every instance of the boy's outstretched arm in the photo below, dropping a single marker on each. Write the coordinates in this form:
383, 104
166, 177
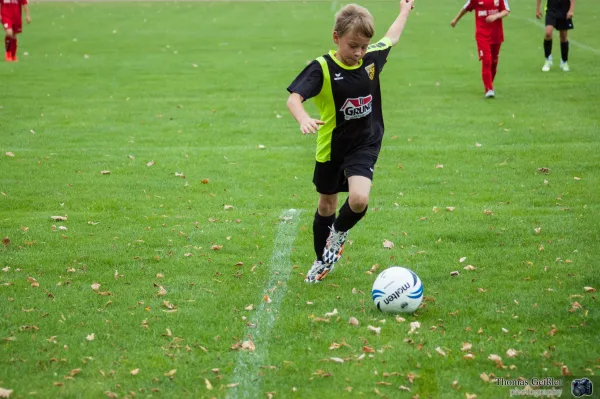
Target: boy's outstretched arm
307, 124
538, 10
395, 31
27, 16
460, 14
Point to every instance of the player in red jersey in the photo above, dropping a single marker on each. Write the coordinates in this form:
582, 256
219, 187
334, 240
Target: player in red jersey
489, 35
12, 21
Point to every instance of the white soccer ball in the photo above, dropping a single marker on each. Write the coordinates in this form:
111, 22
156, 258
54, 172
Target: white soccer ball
397, 290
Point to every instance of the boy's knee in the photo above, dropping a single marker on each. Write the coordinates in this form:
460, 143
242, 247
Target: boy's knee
358, 202
327, 207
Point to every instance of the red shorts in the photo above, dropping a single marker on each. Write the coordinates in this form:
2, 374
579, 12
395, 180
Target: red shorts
12, 23
486, 49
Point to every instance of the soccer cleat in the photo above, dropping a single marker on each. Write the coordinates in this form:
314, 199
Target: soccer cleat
8, 57
334, 246
490, 94
547, 66
564, 66
318, 272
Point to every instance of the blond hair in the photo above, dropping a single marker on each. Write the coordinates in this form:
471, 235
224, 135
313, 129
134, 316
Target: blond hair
354, 19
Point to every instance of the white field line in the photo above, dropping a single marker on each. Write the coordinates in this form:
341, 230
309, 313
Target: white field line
280, 266
576, 43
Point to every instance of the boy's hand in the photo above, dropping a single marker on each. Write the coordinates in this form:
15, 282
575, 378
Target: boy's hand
569, 14
538, 14
453, 22
491, 18
310, 125
28, 18
407, 5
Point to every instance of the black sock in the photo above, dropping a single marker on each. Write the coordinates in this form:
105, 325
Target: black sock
347, 218
321, 226
564, 51
547, 48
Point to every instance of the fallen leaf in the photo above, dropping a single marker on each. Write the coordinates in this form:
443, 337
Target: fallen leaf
439, 166
177, 174
388, 244
250, 307
105, 172
95, 286
577, 178
461, 260
470, 395
354, 321
469, 267
564, 370
450, 208
170, 373
484, 377
454, 273
497, 359
6, 241
331, 314
511, 353
537, 230
5, 393
216, 247
227, 207
90, 337
367, 349
150, 163
267, 299
440, 351
589, 289
414, 325
376, 330
469, 356
543, 170
208, 384
204, 181
249, 346
161, 291
134, 372
10, 154
59, 218
261, 147
336, 359
487, 212
466, 347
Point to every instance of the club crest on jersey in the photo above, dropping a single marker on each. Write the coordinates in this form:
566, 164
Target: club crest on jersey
370, 70
496, 3
355, 108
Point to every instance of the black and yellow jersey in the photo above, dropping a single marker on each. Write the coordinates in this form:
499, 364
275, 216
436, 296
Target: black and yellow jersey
558, 6
349, 101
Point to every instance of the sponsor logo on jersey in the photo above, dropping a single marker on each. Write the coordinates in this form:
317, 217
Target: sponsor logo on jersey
370, 70
355, 108
338, 76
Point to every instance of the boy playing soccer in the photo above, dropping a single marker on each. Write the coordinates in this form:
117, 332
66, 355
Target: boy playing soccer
489, 35
12, 21
559, 14
345, 85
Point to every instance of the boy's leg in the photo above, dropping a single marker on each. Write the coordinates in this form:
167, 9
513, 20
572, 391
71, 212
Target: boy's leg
356, 204
495, 56
550, 22
8, 39
324, 219
485, 56
564, 46
350, 213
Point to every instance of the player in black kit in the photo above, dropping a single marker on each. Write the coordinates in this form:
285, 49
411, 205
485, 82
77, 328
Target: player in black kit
345, 86
559, 16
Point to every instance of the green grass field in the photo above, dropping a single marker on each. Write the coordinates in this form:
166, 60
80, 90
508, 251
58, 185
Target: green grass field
149, 91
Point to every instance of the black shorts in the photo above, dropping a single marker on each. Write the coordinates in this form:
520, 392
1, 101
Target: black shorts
558, 20
332, 177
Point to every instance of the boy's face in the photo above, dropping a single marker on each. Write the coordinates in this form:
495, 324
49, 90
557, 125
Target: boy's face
351, 47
